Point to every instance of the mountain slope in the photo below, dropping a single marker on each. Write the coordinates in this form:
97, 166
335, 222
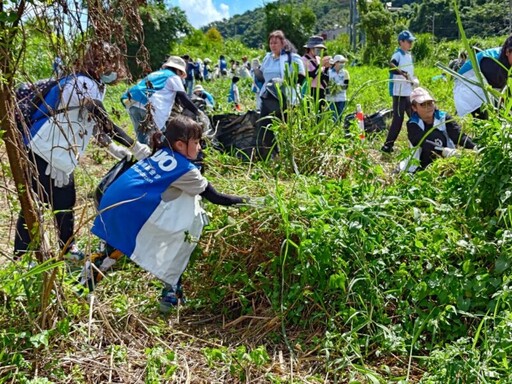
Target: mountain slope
249, 27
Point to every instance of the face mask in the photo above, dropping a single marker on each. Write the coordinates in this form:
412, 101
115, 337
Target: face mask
110, 78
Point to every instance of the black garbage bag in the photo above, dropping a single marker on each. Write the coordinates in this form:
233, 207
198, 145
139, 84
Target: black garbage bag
373, 123
236, 133
112, 175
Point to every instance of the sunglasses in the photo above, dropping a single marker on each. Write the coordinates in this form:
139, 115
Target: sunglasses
427, 103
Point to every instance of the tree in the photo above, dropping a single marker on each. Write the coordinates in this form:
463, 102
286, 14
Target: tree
162, 28
492, 18
376, 22
296, 23
106, 23
213, 35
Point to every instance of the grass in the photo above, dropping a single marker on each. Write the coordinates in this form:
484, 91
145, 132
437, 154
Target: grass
347, 273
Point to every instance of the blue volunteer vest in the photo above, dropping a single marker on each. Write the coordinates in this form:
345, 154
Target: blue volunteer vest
144, 89
493, 53
129, 202
47, 108
231, 96
439, 124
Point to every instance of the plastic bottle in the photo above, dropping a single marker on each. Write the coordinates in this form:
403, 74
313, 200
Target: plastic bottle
360, 120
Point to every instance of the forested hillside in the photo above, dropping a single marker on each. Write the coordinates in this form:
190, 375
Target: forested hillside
250, 27
480, 18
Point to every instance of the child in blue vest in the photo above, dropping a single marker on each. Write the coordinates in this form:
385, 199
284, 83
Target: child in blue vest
234, 93
402, 81
152, 212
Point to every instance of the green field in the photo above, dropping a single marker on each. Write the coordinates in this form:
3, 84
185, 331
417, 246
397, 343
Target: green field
343, 272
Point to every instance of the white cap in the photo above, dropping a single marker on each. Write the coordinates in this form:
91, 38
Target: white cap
420, 95
338, 58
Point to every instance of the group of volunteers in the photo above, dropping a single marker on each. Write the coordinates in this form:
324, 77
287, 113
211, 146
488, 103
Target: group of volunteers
151, 213
433, 132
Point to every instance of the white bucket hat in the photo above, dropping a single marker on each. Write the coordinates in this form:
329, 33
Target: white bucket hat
176, 62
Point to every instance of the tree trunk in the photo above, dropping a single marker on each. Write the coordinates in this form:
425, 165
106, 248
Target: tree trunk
13, 144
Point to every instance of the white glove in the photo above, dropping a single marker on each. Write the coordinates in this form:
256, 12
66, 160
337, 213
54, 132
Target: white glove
119, 152
140, 151
415, 83
60, 178
449, 152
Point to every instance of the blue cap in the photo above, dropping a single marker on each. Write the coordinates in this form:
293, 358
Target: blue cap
406, 35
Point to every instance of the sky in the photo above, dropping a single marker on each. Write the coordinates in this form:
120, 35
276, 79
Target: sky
203, 12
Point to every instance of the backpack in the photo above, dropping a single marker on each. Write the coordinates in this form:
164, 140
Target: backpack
36, 103
145, 88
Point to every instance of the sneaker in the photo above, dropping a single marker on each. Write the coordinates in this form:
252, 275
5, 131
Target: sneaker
74, 259
171, 299
387, 148
179, 294
168, 300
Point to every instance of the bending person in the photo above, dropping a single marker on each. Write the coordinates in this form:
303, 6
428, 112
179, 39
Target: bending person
494, 65
151, 213
157, 93
57, 142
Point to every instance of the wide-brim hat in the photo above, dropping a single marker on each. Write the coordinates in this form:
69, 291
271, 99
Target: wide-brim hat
198, 87
420, 95
338, 59
176, 62
315, 42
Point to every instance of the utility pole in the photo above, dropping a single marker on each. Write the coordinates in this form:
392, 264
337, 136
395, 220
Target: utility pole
354, 19
509, 16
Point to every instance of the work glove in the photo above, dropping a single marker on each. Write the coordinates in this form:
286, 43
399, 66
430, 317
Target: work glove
450, 152
119, 152
60, 178
415, 83
140, 151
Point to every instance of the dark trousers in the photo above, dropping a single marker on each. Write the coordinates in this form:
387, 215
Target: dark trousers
322, 104
61, 200
480, 113
401, 106
265, 139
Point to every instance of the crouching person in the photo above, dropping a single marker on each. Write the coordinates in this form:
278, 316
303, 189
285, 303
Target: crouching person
152, 212
434, 131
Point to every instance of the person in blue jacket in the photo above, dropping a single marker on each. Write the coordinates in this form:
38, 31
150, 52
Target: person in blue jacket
223, 66
58, 140
234, 93
152, 212
495, 64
